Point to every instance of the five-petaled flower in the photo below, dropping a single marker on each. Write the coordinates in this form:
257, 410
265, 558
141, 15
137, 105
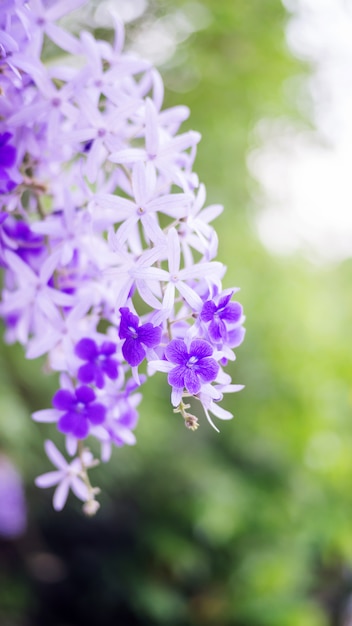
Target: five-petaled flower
221, 314
67, 475
80, 411
136, 337
99, 361
194, 367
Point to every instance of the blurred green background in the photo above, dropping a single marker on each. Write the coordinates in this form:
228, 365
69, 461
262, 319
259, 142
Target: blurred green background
249, 527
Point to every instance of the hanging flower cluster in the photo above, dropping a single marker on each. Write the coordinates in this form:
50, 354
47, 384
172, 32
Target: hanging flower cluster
107, 249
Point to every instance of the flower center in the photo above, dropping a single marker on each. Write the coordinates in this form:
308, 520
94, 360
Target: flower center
133, 332
192, 361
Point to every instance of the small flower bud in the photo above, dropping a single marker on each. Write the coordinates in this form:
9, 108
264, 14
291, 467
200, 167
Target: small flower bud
191, 422
91, 507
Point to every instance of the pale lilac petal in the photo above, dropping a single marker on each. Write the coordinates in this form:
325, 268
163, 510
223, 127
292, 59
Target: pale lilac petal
151, 129
174, 251
79, 488
190, 296
130, 155
62, 38
55, 455
147, 295
152, 229
150, 273
139, 184
28, 114
201, 270
20, 268
61, 493
122, 206
48, 480
49, 266
123, 232
40, 345
221, 413
46, 415
48, 308
160, 366
176, 396
210, 420
182, 142
169, 299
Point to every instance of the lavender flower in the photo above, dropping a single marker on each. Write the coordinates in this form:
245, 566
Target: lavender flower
99, 361
80, 411
194, 367
136, 337
67, 476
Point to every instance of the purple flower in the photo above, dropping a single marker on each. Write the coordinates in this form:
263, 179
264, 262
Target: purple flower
136, 337
7, 160
99, 361
219, 314
80, 411
25, 242
194, 367
7, 153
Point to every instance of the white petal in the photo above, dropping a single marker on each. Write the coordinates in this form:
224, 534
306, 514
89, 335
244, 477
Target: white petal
49, 479
220, 412
190, 296
174, 252
131, 155
55, 455
160, 366
61, 493
79, 488
46, 415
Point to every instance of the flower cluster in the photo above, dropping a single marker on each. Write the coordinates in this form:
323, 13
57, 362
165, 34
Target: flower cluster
107, 248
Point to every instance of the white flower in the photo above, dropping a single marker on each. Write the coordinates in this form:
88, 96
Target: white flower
66, 477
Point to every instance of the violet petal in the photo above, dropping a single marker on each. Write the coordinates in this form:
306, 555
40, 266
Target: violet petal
176, 351
86, 349
96, 413
133, 352
63, 400
149, 335
85, 394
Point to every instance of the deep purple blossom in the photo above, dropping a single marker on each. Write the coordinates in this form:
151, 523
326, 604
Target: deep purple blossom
194, 367
99, 361
22, 238
7, 152
80, 411
219, 315
7, 160
136, 337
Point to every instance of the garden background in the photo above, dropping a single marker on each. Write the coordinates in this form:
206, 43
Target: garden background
252, 526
